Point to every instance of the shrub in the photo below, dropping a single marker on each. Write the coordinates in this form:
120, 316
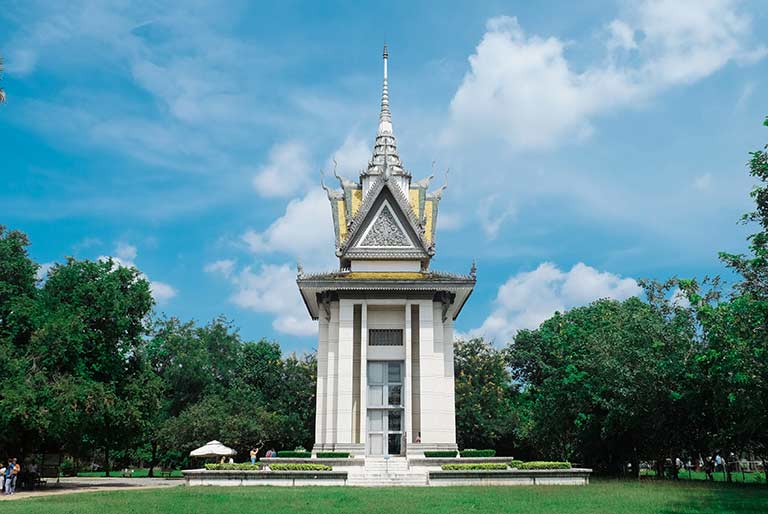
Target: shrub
440, 453
332, 455
294, 454
299, 467
68, 468
544, 465
478, 453
237, 466
515, 464
473, 466
247, 466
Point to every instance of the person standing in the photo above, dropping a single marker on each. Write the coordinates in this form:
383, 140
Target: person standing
254, 453
11, 473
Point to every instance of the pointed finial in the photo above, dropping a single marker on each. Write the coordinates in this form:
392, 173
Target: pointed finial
473, 270
299, 268
385, 117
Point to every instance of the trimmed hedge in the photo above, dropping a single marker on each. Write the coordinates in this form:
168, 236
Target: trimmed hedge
247, 466
538, 464
238, 466
332, 455
299, 467
478, 453
439, 454
473, 466
515, 464
293, 454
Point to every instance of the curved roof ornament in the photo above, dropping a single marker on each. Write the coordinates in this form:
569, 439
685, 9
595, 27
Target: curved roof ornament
332, 194
344, 183
438, 193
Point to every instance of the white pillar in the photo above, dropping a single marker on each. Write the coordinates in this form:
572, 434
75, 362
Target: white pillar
344, 383
364, 375
406, 392
332, 381
322, 378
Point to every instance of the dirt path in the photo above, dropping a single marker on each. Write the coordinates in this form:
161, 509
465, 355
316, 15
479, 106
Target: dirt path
88, 485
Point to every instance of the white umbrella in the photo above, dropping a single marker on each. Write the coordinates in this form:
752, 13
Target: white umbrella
212, 449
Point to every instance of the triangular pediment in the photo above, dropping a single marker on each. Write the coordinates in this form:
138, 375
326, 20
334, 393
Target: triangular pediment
386, 231
385, 227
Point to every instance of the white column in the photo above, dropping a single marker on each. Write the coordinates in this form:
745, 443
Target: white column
332, 381
344, 378
406, 392
322, 378
364, 375
450, 386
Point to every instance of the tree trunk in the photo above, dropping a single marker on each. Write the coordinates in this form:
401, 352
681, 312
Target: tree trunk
635, 464
106, 459
153, 460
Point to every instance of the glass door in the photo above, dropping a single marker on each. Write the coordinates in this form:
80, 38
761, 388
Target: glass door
385, 408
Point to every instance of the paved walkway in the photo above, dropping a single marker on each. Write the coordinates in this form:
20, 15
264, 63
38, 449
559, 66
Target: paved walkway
69, 485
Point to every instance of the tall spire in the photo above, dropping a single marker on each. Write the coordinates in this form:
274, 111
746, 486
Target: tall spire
385, 158
385, 117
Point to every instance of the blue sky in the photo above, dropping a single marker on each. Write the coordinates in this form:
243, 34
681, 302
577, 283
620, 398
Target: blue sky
590, 144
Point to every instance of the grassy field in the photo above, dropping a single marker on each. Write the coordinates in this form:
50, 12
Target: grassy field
600, 497
747, 477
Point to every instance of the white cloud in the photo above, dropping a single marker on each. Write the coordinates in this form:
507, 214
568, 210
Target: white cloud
305, 231
523, 90
448, 221
621, 36
223, 266
703, 182
271, 290
125, 255
42, 271
527, 299
493, 211
746, 95
679, 299
351, 157
286, 171
125, 252
161, 291
20, 62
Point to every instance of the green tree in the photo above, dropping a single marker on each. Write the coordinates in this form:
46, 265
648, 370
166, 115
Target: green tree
17, 287
754, 268
607, 383
88, 341
485, 396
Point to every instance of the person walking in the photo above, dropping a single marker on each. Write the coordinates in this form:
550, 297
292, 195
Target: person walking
11, 473
709, 468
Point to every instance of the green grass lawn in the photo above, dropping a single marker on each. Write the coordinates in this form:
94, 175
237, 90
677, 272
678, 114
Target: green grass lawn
600, 497
747, 477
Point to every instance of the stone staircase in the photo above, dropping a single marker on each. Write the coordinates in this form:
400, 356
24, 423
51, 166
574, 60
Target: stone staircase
380, 472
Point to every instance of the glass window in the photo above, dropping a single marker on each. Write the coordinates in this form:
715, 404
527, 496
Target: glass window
376, 421
376, 372
393, 374
395, 420
385, 337
394, 444
375, 396
395, 395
